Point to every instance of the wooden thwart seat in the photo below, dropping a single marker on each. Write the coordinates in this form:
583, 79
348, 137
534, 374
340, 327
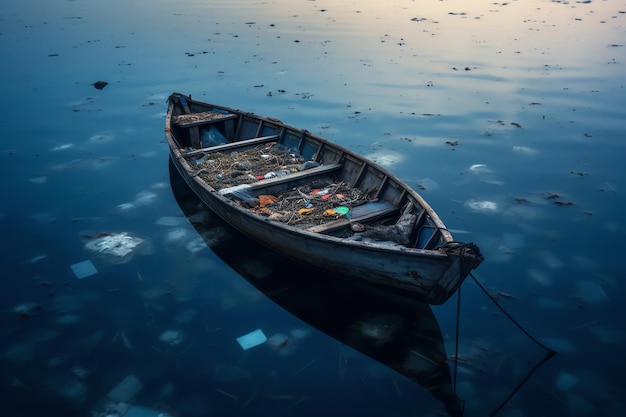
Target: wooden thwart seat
233, 145
343, 222
292, 177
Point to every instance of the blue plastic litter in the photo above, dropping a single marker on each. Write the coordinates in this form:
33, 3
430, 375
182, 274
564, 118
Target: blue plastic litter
252, 339
84, 269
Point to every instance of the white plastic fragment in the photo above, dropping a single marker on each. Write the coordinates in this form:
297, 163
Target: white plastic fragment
252, 339
84, 269
234, 189
171, 337
120, 244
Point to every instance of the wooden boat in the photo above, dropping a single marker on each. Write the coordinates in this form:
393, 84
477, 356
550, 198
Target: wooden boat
396, 331
315, 201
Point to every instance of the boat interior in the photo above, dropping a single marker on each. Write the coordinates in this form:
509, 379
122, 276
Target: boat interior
202, 132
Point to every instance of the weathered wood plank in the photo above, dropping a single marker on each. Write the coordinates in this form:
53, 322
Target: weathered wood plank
233, 145
339, 223
296, 176
196, 119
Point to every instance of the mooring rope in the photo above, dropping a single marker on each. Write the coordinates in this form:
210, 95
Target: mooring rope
456, 344
509, 316
456, 349
550, 352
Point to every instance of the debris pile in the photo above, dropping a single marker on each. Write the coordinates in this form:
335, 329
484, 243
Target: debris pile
309, 205
221, 170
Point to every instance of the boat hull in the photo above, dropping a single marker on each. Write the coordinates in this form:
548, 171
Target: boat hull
425, 274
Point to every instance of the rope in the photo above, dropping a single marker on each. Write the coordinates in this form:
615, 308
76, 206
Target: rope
550, 352
509, 316
456, 349
456, 344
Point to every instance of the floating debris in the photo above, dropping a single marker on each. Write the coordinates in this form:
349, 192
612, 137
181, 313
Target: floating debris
26, 310
479, 169
37, 258
171, 337
74, 391
62, 147
84, 269
126, 389
99, 85
525, 150
482, 206
116, 244
281, 343
427, 184
252, 339
563, 203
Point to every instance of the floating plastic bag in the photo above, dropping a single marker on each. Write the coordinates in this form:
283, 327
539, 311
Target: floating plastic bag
117, 244
212, 137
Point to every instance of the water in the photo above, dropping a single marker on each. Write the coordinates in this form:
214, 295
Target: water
507, 116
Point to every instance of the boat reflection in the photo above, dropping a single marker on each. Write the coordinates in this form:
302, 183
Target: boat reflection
397, 332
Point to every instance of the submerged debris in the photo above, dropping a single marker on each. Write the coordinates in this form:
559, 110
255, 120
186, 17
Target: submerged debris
26, 310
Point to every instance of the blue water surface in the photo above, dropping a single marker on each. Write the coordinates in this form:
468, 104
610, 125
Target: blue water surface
508, 117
